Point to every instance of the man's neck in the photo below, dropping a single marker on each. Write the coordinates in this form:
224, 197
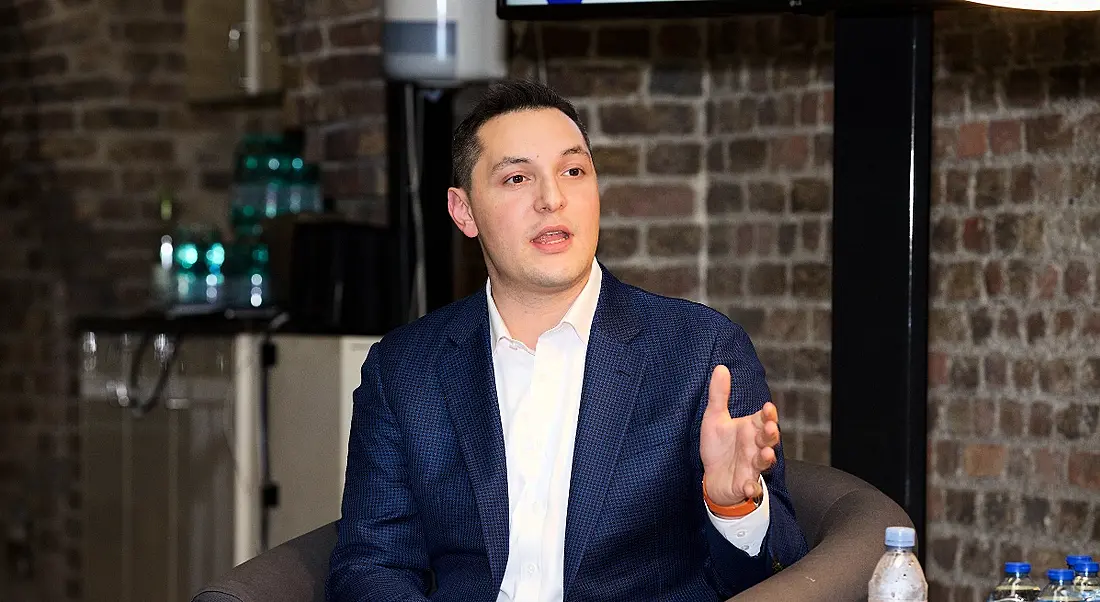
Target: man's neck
527, 315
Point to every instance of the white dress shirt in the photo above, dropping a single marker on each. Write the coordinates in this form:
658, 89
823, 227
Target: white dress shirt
539, 393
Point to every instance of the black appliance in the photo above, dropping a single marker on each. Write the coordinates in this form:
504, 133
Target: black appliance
333, 275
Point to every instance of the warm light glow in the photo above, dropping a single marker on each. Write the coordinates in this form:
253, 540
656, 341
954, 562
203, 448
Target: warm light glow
1051, 5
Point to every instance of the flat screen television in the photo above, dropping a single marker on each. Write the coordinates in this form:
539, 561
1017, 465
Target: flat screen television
536, 10
613, 9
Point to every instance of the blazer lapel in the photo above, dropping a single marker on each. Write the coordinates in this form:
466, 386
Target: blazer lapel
613, 371
469, 388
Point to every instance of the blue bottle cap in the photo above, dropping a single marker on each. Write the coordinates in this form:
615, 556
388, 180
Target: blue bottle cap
901, 537
1087, 567
1017, 568
1060, 574
1072, 560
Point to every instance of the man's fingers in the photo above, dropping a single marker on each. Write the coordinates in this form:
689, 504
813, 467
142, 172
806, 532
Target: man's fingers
749, 489
768, 436
764, 459
769, 412
718, 393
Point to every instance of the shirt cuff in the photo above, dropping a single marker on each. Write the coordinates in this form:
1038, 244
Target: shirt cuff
746, 532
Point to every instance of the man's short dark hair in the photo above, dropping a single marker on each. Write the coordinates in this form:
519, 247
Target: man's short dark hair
502, 98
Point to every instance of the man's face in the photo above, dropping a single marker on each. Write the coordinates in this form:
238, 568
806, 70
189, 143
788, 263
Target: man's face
533, 202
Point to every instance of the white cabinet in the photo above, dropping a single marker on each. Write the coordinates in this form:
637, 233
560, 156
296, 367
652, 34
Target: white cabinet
173, 497
311, 388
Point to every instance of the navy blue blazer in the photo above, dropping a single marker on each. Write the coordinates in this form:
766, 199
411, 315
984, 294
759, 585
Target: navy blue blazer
425, 508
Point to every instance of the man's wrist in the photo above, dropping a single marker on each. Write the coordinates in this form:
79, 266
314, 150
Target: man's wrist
735, 509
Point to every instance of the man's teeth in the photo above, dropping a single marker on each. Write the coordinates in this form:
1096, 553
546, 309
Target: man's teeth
555, 234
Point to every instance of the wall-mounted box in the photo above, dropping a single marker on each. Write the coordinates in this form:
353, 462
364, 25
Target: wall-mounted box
231, 51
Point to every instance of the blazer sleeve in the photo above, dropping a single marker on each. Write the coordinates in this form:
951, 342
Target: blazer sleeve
380, 554
784, 542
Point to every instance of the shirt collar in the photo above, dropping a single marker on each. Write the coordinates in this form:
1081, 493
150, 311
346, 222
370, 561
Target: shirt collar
580, 314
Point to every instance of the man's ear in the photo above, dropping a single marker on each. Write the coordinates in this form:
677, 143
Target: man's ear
458, 205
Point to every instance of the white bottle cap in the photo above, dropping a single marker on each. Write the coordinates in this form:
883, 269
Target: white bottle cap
901, 537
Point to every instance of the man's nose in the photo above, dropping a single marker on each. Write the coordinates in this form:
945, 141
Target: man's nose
550, 197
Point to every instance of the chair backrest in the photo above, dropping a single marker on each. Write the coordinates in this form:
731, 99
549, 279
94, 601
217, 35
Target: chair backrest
815, 489
292, 572
843, 519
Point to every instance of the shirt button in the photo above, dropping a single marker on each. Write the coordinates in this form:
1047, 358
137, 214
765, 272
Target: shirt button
531, 568
741, 533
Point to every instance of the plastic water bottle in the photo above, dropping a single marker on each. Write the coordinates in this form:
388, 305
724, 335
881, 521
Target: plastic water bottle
898, 576
1060, 588
1087, 581
1016, 586
1073, 561
303, 188
164, 289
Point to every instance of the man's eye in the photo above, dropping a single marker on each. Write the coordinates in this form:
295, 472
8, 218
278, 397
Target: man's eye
574, 171
517, 179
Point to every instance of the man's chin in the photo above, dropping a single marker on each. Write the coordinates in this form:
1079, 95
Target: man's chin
561, 280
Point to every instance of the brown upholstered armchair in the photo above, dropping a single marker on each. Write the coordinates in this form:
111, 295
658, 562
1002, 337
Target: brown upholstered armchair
842, 517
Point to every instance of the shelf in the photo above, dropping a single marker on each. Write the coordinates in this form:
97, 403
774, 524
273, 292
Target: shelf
220, 323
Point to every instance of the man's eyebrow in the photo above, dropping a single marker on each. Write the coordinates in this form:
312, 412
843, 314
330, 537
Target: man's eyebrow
575, 150
506, 161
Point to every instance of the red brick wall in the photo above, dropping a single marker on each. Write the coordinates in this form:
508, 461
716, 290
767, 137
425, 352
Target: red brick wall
92, 123
333, 48
1014, 366
713, 143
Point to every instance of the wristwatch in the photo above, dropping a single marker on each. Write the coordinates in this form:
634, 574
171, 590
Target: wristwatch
736, 510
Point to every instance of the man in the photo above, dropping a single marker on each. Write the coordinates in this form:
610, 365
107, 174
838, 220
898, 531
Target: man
559, 435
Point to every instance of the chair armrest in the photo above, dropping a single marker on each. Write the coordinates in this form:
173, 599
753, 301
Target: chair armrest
838, 568
292, 572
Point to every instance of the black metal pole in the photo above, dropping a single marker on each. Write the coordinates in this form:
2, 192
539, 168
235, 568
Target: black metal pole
439, 232
881, 178
432, 118
400, 216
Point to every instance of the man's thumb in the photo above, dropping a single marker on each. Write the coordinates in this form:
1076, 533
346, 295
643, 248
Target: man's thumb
718, 393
